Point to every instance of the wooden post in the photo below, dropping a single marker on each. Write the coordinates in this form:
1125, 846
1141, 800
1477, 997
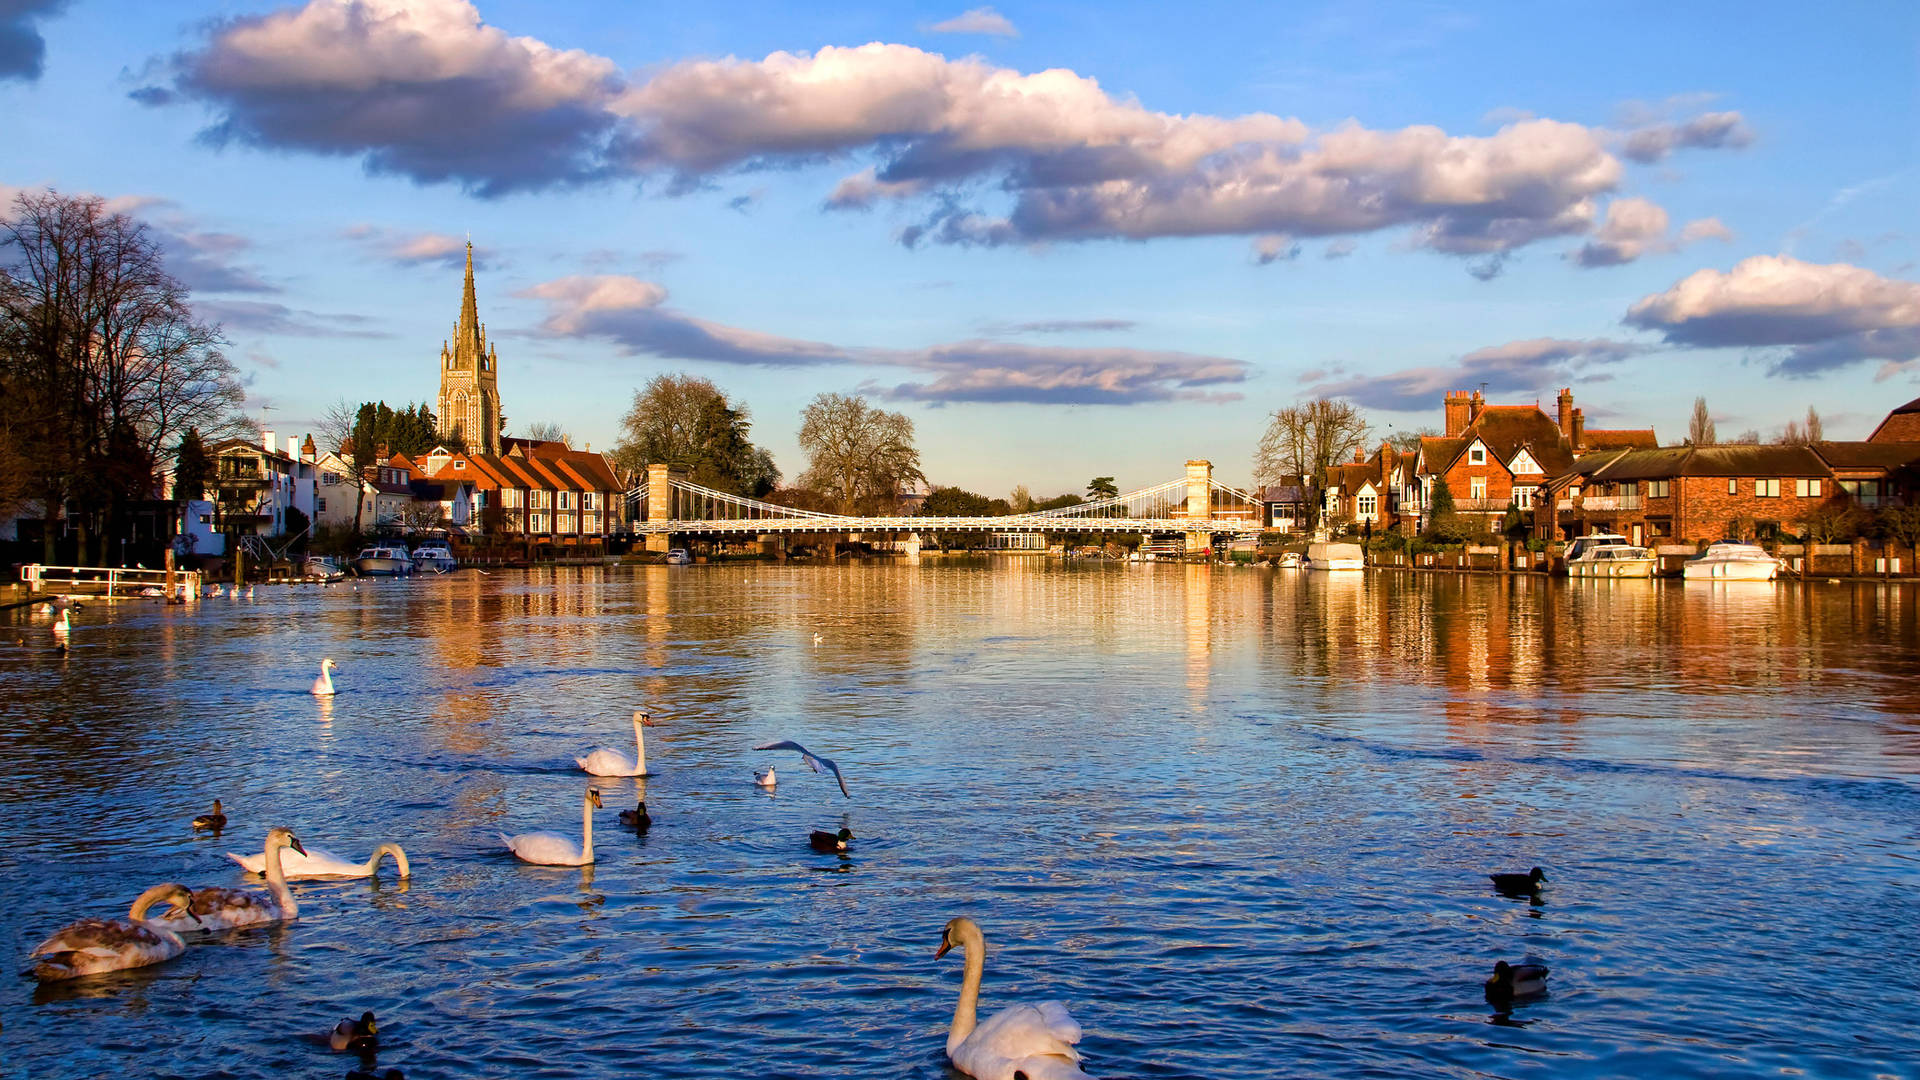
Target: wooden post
169, 590
239, 564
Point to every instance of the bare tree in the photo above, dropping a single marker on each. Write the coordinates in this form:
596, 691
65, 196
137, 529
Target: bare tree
1797, 434
1021, 500
336, 427
857, 455
1816, 431
1306, 440
1408, 442
1700, 427
548, 431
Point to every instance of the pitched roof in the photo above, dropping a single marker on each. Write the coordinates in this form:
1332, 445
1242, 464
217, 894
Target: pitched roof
1900, 425
1619, 438
1868, 455
1731, 461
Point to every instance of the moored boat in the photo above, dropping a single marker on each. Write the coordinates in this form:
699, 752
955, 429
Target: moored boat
1336, 557
383, 560
433, 557
1290, 560
1726, 560
1608, 555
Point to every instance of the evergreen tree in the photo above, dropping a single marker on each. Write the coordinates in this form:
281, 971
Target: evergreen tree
191, 467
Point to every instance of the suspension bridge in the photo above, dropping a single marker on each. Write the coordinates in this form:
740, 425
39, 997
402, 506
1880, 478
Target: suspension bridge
667, 505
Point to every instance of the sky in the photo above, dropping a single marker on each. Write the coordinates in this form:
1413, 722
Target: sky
1066, 240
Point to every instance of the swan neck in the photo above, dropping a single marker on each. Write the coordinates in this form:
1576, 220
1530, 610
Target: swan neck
586, 829
146, 900
964, 1013
639, 748
277, 879
399, 860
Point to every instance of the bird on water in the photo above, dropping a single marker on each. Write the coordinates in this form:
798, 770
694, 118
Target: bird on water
814, 761
361, 1036
637, 818
216, 820
832, 843
1511, 982
1519, 883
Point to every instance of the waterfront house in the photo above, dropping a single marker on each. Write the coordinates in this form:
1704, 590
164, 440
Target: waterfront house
541, 492
255, 485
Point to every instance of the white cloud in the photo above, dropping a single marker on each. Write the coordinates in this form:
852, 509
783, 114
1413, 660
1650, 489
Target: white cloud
1708, 131
417, 248
1512, 368
1275, 247
980, 20
1636, 227
1823, 316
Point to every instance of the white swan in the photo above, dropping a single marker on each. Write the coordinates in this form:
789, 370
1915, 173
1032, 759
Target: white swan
319, 862
605, 762
1034, 1041
765, 777
552, 849
91, 946
323, 686
62, 626
220, 908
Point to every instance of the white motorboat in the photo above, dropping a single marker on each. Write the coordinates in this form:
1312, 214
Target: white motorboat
433, 557
1336, 557
678, 557
323, 568
1608, 555
383, 560
1290, 560
1726, 560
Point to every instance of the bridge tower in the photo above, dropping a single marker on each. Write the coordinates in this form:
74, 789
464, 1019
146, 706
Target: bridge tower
660, 502
1200, 490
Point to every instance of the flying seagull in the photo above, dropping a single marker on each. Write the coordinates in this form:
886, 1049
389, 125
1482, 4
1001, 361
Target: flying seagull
817, 764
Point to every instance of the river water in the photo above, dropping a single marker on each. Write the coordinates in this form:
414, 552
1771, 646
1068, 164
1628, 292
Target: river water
1237, 819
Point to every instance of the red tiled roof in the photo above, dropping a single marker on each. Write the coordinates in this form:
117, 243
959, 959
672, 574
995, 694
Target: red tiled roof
1619, 439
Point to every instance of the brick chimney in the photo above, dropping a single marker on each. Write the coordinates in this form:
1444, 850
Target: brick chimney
308, 451
1578, 436
266, 441
1566, 411
1359, 456
1456, 406
1474, 405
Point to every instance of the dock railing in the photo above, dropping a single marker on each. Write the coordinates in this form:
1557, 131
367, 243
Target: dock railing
110, 582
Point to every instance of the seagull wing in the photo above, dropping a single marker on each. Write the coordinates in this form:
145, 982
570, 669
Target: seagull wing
816, 763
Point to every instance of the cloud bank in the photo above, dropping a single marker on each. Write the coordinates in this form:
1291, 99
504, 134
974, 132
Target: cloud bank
633, 315
980, 20
426, 90
1514, 368
1636, 227
404, 248
1823, 317
23, 52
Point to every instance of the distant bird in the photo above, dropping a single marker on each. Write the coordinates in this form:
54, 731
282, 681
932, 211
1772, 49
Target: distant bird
817, 639
62, 626
361, 1036
831, 843
1528, 882
816, 763
1515, 981
323, 686
249, 592
215, 820
637, 818
606, 762
764, 777
59, 649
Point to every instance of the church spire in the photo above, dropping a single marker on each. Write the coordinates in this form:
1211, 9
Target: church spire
467, 336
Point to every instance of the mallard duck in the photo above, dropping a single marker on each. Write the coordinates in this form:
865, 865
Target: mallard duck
1512, 981
829, 842
637, 818
360, 1035
215, 820
1520, 883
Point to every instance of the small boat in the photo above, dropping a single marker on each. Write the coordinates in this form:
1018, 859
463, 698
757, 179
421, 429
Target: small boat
383, 560
1726, 560
1290, 560
433, 557
1608, 555
678, 557
319, 566
1336, 557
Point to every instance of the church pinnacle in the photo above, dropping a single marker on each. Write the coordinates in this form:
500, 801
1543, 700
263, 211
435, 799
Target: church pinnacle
469, 377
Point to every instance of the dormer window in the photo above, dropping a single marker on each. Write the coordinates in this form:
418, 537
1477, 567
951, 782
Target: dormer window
1477, 455
459, 464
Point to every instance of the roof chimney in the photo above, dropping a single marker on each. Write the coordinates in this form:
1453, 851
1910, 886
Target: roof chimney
1566, 411
266, 441
1474, 405
1578, 436
308, 451
1456, 409
1359, 458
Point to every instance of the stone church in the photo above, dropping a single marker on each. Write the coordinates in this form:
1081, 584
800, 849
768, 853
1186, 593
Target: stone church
469, 378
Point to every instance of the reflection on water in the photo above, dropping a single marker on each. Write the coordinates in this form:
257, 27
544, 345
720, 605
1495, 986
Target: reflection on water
1239, 820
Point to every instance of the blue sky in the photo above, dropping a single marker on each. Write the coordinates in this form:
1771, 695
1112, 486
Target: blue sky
1067, 240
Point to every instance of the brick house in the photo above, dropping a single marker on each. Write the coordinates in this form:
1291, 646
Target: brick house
1496, 456
256, 484
538, 491
1901, 425
1693, 494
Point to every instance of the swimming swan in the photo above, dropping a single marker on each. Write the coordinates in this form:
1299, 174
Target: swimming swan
91, 946
552, 849
1034, 1041
323, 686
605, 762
219, 908
318, 863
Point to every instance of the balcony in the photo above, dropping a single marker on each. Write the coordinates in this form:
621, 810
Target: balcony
1603, 502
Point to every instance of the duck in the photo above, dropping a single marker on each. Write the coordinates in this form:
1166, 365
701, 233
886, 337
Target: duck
321, 863
323, 686
606, 762
637, 818
1512, 981
91, 946
1520, 883
829, 842
1032, 1041
216, 820
219, 908
361, 1036
552, 849
764, 777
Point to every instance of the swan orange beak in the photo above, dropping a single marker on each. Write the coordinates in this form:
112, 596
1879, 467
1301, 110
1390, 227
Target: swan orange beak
942, 951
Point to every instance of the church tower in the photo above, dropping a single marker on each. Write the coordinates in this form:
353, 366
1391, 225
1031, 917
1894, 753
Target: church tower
469, 377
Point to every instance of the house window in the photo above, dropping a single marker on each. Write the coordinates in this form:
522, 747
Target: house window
586, 500
1630, 488
1733, 487
459, 464
565, 502
1366, 505
1867, 491
1477, 487
329, 479
537, 523
1807, 489
1766, 489
1477, 456
319, 506
1657, 489
1523, 497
